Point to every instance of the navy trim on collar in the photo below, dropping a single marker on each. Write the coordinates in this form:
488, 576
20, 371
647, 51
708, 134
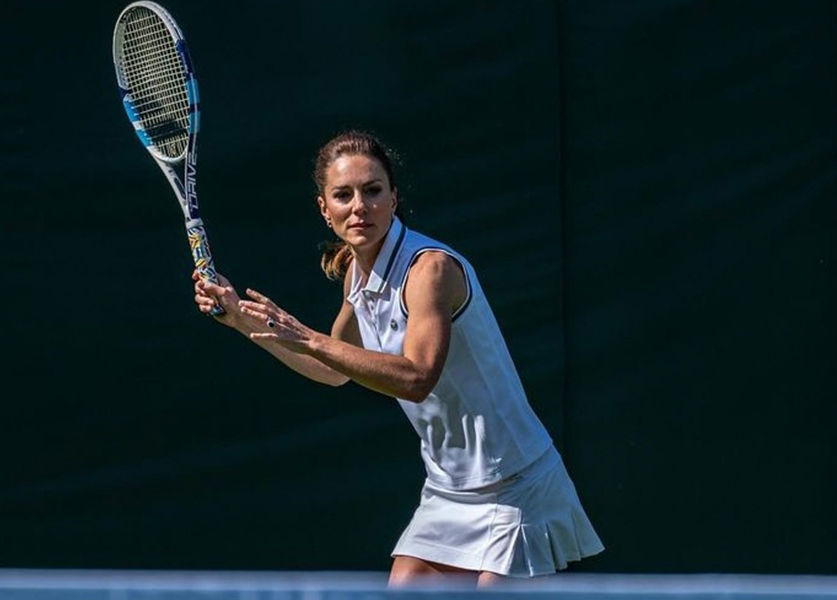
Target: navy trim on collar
392, 256
382, 268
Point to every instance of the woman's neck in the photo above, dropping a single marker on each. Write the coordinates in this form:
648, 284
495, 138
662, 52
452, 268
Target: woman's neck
366, 257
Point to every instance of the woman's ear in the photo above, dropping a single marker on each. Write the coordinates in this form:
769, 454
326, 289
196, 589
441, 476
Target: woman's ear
324, 211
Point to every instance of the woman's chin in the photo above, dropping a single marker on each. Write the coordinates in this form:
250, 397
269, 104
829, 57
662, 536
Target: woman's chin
364, 243
362, 237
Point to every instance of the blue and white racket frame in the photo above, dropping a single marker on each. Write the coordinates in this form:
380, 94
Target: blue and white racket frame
185, 186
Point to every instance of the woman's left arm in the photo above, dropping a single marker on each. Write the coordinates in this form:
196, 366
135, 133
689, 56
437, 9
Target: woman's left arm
435, 288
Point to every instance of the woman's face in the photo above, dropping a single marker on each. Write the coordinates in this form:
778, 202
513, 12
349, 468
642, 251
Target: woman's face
357, 200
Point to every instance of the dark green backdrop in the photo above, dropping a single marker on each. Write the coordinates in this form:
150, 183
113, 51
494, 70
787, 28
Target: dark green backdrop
647, 190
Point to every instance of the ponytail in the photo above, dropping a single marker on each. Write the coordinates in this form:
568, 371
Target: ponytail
335, 260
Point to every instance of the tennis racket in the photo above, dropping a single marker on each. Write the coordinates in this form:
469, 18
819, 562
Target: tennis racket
160, 94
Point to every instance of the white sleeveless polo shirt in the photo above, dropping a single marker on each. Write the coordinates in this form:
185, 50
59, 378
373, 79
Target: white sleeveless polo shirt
476, 426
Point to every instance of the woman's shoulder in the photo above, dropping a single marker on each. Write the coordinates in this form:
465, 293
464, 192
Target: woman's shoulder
418, 238
432, 258
419, 243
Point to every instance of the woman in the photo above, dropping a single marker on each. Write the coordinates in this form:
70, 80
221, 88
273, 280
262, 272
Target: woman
415, 325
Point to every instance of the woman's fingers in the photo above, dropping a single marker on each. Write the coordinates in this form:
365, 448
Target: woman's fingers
264, 305
210, 295
213, 289
200, 289
216, 289
204, 305
257, 306
254, 309
264, 336
254, 294
262, 299
268, 315
203, 298
262, 308
268, 310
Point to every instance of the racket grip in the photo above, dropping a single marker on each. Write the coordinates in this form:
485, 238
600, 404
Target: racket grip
202, 257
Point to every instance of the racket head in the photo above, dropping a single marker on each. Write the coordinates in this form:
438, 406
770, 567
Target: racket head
156, 80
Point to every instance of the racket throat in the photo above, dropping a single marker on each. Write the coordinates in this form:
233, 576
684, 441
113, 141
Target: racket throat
189, 176
187, 193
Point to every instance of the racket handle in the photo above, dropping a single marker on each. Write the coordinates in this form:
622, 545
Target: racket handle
202, 257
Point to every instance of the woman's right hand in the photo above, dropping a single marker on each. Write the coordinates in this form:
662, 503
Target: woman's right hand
208, 295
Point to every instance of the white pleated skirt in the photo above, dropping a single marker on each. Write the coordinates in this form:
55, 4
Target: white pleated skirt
528, 525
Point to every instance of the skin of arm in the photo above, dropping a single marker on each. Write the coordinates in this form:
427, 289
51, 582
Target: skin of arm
434, 289
303, 364
207, 294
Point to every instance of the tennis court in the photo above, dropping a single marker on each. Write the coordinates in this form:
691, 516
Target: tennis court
116, 585
646, 189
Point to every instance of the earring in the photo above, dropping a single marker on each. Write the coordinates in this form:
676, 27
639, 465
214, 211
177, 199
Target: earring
328, 223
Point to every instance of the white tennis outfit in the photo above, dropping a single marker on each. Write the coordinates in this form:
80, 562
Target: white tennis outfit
497, 496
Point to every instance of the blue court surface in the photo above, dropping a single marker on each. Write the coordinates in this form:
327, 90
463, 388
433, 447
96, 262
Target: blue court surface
209, 585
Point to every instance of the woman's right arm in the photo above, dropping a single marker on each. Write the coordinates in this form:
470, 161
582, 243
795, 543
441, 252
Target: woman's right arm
345, 328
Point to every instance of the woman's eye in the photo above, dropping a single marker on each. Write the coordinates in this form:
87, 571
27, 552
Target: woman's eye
374, 190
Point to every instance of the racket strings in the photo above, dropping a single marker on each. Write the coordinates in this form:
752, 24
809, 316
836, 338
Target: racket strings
155, 76
156, 66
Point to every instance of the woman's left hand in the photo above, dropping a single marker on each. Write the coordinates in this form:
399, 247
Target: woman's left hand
283, 328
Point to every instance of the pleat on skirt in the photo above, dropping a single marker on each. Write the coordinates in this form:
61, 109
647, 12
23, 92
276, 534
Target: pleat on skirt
528, 525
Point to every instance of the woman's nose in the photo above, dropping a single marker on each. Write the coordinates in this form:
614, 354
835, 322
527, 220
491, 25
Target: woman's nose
358, 202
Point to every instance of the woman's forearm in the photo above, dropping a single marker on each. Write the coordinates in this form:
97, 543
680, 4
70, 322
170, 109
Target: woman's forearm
395, 376
304, 364
333, 360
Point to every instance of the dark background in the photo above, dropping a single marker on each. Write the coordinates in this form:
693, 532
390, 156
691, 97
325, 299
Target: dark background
647, 190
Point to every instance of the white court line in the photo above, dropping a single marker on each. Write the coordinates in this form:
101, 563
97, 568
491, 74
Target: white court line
598, 584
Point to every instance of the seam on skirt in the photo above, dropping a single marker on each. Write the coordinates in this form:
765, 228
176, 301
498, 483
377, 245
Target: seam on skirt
490, 532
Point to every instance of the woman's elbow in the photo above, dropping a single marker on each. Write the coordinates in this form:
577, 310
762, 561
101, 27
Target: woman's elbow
420, 388
413, 396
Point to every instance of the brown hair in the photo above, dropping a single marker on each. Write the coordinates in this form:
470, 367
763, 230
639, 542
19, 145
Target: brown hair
337, 256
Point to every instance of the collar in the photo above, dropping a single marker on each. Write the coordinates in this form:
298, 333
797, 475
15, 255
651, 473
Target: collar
386, 257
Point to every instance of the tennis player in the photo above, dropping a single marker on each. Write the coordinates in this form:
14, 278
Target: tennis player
416, 326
